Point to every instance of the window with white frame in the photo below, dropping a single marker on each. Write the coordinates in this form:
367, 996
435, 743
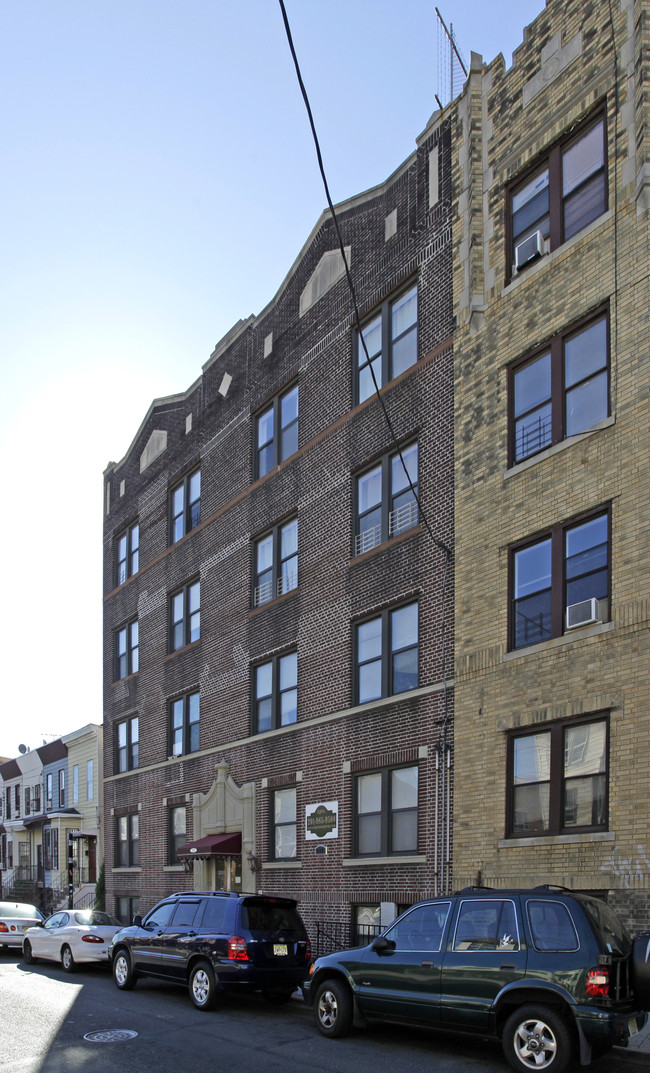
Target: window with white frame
285, 824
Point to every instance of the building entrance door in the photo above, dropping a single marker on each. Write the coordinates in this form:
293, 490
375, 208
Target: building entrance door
227, 873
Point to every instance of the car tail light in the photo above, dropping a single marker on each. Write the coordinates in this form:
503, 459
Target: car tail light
598, 982
3, 927
237, 948
308, 949
91, 939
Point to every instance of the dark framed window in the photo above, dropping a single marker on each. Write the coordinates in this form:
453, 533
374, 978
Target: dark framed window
177, 831
558, 778
37, 798
275, 693
385, 503
127, 841
185, 616
562, 194
61, 788
561, 390
185, 506
126, 908
28, 800
127, 553
285, 841
49, 791
276, 432
127, 649
17, 797
276, 562
386, 653
560, 581
185, 715
386, 812
128, 744
391, 343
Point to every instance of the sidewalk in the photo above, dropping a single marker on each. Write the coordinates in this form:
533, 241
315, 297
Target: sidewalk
638, 1049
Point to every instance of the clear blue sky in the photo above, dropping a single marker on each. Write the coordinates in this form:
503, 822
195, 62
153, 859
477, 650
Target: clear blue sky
157, 182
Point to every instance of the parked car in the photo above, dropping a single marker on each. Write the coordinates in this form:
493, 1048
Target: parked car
14, 918
215, 941
551, 973
71, 936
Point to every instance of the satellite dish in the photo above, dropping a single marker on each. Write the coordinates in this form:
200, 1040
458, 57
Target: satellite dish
22, 749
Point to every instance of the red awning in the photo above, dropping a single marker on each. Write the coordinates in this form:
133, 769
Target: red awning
212, 846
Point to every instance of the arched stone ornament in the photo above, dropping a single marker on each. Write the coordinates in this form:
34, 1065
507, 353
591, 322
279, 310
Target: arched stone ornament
226, 808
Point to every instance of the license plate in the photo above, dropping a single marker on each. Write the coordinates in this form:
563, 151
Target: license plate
280, 949
632, 1026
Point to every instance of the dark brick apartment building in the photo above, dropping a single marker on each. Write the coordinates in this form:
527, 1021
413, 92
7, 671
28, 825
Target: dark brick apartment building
278, 612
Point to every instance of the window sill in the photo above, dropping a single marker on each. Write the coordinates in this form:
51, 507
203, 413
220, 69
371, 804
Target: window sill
173, 868
183, 648
557, 840
127, 678
385, 544
128, 870
365, 862
275, 866
271, 603
531, 271
557, 642
558, 447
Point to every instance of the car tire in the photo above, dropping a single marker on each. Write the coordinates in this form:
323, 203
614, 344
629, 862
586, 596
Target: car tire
67, 960
202, 986
123, 974
333, 1008
28, 956
277, 996
537, 1038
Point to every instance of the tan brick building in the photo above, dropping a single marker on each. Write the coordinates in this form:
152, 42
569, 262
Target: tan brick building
552, 439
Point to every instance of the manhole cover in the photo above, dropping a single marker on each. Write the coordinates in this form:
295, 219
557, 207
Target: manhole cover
110, 1035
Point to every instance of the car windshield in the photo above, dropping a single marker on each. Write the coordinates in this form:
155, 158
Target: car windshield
89, 917
609, 928
18, 909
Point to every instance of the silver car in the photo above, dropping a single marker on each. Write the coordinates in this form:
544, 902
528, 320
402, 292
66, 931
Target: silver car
15, 918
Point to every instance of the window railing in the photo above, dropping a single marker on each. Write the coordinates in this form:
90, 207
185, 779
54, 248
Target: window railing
369, 538
404, 517
267, 591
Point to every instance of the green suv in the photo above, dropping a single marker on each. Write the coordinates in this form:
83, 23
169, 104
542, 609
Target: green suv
550, 972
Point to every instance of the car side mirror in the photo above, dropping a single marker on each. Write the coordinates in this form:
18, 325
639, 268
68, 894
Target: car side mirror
382, 945
137, 921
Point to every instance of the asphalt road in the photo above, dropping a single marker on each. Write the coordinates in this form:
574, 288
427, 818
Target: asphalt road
45, 1014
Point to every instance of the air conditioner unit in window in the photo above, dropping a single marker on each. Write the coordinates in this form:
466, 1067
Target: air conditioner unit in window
177, 748
529, 249
582, 614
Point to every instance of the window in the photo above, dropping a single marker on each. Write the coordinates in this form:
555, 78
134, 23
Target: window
49, 778
61, 788
177, 831
51, 849
276, 563
386, 812
422, 929
127, 841
284, 824
90, 780
185, 616
128, 736
567, 567
486, 925
558, 779
126, 909
75, 784
385, 503
276, 693
185, 724
276, 432
366, 923
565, 192
185, 506
561, 390
127, 650
127, 554
391, 339
387, 654
28, 800
17, 799
37, 798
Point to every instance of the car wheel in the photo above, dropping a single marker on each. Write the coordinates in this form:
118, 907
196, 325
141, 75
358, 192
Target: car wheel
122, 972
202, 986
277, 996
537, 1038
333, 1008
67, 960
28, 957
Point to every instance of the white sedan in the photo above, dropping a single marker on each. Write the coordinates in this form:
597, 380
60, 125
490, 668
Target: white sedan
71, 936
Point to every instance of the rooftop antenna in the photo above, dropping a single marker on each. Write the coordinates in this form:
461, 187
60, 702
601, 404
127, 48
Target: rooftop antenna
452, 69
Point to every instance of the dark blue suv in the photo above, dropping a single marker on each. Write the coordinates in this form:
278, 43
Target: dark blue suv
215, 941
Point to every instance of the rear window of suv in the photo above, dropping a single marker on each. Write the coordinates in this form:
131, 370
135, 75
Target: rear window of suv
611, 932
551, 926
268, 916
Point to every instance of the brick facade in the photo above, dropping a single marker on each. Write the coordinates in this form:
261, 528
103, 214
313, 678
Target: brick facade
398, 234
574, 64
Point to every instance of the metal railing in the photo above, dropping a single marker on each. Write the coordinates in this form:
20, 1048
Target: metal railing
336, 935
